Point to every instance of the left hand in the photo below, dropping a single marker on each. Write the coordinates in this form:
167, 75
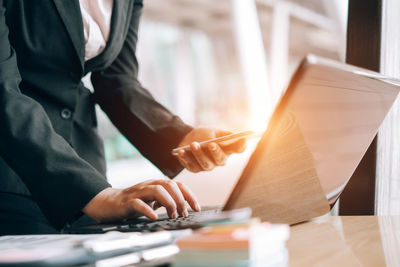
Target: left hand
205, 159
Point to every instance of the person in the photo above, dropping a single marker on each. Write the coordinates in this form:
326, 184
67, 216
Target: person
52, 167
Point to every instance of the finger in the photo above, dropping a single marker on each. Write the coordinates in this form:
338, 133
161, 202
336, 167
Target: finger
195, 167
161, 195
181, 156
237, 147
177, 195
138, 205
183, 163
189, 196
217, 154
188, 161
202, 159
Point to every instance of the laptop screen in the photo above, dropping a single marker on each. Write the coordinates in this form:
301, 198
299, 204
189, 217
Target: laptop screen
339, 111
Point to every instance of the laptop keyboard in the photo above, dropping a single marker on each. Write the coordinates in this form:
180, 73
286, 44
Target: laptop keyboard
194, 220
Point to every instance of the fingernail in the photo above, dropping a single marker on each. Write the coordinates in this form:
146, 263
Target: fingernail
212, 146
185, 213
174, 215
196, 145
198, 208
182, 153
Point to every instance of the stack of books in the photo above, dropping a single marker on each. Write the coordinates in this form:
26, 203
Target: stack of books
251, 243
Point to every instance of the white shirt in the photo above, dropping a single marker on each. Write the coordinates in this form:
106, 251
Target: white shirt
96, 17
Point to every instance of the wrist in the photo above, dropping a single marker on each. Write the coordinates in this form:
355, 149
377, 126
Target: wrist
97, 207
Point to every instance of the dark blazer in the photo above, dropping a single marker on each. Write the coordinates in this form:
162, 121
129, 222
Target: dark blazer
49, 146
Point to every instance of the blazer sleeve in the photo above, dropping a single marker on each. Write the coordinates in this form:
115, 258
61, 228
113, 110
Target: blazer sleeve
58, 179
148, 125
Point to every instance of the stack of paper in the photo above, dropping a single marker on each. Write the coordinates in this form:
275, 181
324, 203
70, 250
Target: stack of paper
235, 244
110, 249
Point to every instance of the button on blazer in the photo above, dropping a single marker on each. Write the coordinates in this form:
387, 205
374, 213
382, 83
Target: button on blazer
49, 146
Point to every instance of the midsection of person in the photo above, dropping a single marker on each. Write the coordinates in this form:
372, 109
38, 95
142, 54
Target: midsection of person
48, 38
51, 75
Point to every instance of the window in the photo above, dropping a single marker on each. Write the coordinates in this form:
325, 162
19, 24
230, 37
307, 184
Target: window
222, 63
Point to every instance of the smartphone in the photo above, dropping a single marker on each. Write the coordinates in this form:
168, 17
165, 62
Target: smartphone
223, 140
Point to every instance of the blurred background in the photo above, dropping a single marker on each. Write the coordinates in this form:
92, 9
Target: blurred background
222, 63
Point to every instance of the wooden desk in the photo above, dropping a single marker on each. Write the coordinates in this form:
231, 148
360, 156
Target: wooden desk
346, 241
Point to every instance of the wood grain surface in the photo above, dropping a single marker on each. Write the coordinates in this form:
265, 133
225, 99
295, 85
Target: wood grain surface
280, 183
346, 241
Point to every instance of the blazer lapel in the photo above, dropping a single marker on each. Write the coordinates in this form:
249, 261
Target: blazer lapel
116, 38
70, 14
118, 19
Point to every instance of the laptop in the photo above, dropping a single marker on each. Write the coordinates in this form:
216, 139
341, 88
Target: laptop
319, 131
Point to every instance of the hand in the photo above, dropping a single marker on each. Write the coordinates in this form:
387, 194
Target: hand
142, 199
205, 159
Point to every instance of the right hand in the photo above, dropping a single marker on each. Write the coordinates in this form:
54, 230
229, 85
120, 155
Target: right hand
205, 159
142, 199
